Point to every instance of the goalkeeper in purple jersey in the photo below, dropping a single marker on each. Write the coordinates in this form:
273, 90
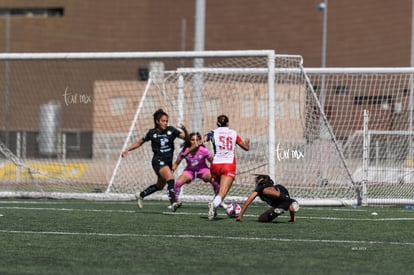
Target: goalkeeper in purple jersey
196, 156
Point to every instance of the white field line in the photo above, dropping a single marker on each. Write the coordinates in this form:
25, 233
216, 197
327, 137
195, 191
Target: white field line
196, 236
56, 202
197, 214
66, 209
189, 236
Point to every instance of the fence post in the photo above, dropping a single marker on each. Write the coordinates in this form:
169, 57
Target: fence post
365, 158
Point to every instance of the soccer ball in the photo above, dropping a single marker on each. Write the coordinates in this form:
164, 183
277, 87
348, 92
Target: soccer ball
296, 206
233, 210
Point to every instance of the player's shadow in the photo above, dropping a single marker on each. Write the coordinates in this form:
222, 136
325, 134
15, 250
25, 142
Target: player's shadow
218, 218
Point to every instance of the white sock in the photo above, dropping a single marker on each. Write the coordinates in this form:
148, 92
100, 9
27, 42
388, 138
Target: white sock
217, 201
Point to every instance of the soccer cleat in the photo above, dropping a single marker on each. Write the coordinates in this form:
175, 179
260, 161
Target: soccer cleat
139, 200
175, 206
211, 211
278, 211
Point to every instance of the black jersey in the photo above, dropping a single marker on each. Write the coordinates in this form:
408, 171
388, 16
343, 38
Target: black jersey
162, 143
274, 202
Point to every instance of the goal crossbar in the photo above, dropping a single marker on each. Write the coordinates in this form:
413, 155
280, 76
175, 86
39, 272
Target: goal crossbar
134, 55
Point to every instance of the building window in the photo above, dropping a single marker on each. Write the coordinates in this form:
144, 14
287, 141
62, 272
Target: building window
280, 109
247, 110
406, 92
294, 110
118, 106
212, 106
373, 100
263, 107
73, 141
341, 90
33, 12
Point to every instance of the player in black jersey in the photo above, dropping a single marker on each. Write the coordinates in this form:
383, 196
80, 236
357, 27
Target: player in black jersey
162, 139
275, 195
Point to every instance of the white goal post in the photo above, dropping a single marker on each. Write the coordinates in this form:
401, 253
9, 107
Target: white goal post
82, 109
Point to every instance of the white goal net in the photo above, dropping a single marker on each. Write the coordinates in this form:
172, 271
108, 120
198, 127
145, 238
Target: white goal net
66, 118
370, 111
312, 168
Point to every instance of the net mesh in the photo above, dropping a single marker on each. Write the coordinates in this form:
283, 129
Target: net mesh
64, 123
309, 166
387, 169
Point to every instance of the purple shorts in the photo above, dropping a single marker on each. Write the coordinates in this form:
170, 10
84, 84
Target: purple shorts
196, 174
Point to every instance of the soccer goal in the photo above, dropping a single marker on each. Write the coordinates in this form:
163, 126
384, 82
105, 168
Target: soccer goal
67, 116
370, 111
283, 120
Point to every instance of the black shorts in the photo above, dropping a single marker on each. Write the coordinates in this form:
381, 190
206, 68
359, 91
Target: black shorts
157, 164
282, 205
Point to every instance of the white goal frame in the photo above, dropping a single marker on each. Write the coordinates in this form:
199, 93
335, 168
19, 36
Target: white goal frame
268, 54
299, 70
270, 71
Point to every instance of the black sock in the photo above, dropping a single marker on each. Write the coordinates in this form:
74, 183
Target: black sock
150, 189
272, 215
171, 193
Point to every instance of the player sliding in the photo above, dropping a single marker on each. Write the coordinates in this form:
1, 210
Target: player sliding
223, 167
196, 156
275, 195
162, 139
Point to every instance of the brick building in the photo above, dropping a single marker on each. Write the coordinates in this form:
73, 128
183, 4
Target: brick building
360, 33
372, 33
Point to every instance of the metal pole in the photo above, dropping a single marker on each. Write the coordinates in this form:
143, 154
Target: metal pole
18, 154
324, 33
200, 19
181, 99
183, 38
410, 103
323, 7
272, 115
365, 158
7, 83
197, 106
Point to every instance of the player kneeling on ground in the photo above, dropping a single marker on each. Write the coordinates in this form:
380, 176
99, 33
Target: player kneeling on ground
275, 195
